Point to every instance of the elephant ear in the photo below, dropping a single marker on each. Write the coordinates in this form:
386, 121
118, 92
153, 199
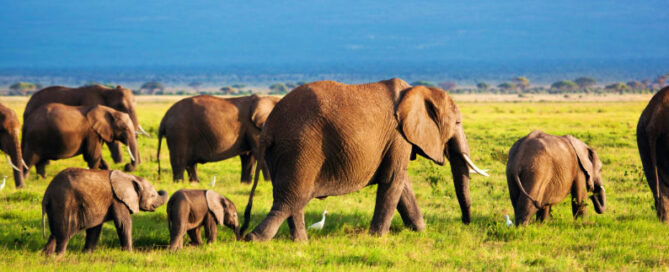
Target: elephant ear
100, 121
126, 189
215, 206
418, 119
584, 160
260, 110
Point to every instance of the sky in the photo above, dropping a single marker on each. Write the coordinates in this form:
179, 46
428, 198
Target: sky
205, 32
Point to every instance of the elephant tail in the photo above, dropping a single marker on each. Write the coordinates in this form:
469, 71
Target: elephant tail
161, 133
247, 211
522, 189
44, 203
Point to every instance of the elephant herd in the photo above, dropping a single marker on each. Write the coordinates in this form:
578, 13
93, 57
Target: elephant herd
322, 139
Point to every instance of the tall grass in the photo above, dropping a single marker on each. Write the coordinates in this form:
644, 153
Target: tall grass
627, 237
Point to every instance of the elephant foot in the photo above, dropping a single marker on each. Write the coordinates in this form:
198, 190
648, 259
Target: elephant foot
244, 181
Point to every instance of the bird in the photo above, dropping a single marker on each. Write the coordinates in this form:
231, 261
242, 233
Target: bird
2, 185
508, 220
213, 181
319, 225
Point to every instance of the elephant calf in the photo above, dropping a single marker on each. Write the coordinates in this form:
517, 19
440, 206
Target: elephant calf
189, 210
542, 169
79, 199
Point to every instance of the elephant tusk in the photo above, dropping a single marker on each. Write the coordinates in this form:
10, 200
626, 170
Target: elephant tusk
484, 170
473, 166
130, 153
10, 163
142, 131
24, 164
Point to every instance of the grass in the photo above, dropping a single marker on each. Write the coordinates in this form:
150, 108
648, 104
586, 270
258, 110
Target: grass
627, 237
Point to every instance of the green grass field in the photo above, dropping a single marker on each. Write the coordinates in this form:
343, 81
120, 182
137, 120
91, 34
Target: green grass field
627, 237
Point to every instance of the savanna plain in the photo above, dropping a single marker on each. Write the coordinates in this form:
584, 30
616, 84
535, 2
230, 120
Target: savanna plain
627, 237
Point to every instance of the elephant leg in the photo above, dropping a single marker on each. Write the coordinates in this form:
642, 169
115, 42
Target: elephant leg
177, 232
578, 196
269, 226
408, 209
40, 168
61, 244
544, 214
265, 172
192, 172
195, 236
247, 161
103, 165
123, 224
178, 172
210, 229
387, 199
524, 210
298, 230
116, 151
92, 237
50, 246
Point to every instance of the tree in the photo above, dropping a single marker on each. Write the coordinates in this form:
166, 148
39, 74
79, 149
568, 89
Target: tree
585, 82
506, 86
636, 85
423, 83
564, 85
661, 80
229, 90
482, 86
617, 87
300, 83
152, 86
195, 85
522, 82
238, 86
22, 88
447, 85
278, 88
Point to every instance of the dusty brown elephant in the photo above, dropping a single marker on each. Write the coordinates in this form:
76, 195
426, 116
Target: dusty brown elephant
327, 138
10, 144
206, 129
190, 210
542, 169
118, 98
79, 199
56, 131
652, 136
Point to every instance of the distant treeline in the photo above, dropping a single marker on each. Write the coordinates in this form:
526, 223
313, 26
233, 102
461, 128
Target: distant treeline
517, 85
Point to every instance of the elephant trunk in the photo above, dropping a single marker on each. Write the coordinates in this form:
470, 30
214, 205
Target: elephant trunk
160, 200
12, 146
456, 151
238, 234
599, 199
134, 154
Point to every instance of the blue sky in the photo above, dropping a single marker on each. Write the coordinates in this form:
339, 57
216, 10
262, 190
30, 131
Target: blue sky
203, 32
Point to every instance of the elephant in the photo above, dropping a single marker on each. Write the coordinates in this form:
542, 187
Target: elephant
542, 169
189, 210
652, 136
79, 199
10, 144
118, 98
328, 138
56, 131
206, 129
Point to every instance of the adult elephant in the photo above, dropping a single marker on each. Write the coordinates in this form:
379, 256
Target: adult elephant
10, 144
652, 136
56, 131
206, 129
327, 138
543, 169
118, 98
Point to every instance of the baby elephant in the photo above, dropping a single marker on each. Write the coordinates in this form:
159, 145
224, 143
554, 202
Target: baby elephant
542, 169
188, 210
79, 199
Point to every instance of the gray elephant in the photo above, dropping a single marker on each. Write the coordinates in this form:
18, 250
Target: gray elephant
543, 169
327, 138
119, 98
190, 210
10, 144
57, 131
206, 129
79, 199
